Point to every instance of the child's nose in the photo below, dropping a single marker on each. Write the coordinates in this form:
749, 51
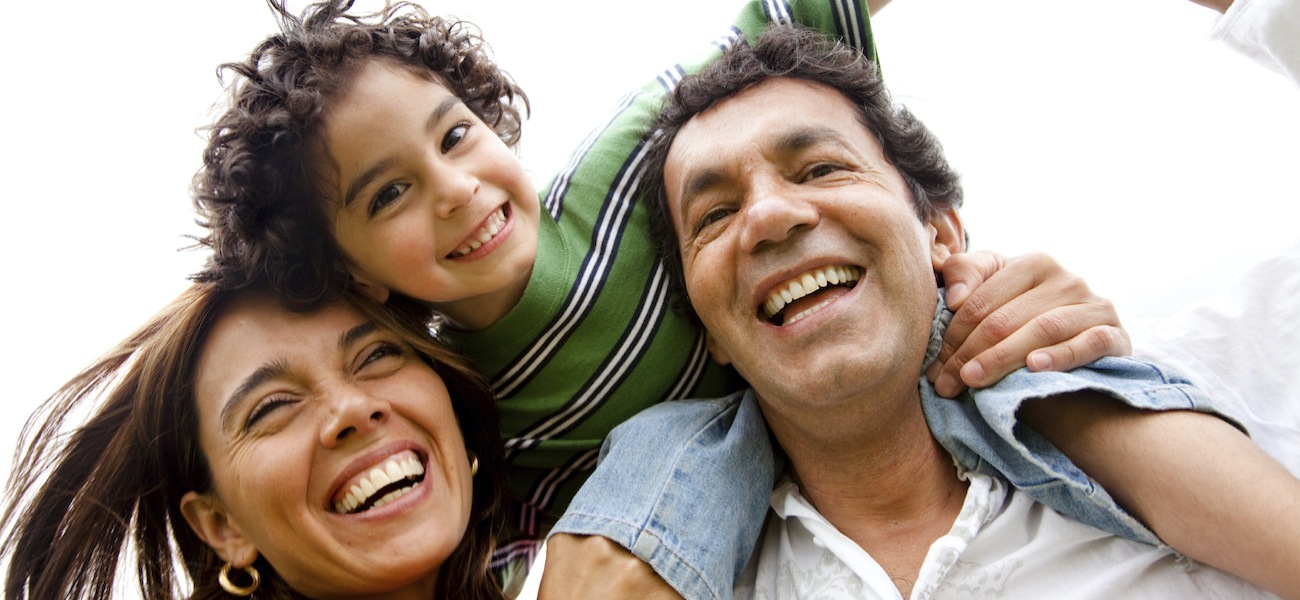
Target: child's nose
452, 191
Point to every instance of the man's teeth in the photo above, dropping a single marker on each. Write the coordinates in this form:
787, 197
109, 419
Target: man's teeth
398, 469
805, 284
485, 234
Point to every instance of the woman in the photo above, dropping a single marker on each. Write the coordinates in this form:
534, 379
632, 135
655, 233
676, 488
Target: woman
257, 451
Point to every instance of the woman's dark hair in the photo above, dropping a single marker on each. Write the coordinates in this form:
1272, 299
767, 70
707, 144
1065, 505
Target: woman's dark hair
260, 192
796, 53
84, 499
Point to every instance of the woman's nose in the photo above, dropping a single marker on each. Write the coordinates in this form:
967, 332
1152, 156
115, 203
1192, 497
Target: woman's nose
353, 412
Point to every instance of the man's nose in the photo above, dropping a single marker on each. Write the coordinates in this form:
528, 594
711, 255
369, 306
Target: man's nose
773, 213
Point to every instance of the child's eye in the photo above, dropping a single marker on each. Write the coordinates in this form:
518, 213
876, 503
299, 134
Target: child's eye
386, 196
266, 407
454, 136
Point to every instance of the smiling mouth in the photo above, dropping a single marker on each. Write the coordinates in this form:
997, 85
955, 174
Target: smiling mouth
491, 227
805, 294
382, 484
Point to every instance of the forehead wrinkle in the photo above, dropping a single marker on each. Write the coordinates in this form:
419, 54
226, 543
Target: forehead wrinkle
806, 137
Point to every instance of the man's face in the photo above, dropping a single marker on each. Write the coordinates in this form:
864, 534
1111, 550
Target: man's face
801, 249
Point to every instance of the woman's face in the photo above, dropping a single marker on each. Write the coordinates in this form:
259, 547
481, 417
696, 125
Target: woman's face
334, 452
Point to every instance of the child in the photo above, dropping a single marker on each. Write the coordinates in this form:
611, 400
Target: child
379, 153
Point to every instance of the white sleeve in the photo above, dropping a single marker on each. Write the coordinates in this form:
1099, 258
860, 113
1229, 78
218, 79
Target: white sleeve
1242, 347
1268, 31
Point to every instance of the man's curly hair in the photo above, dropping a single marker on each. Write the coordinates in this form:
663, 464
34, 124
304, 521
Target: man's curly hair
261, 192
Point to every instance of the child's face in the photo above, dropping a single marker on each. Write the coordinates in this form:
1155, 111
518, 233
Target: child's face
429, 201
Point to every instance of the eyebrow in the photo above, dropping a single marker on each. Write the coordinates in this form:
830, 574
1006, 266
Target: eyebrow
370, 174
702, 180
279, 368
351, 336
263, 374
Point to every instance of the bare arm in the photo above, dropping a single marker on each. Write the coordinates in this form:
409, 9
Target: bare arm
596, 567
1195, 480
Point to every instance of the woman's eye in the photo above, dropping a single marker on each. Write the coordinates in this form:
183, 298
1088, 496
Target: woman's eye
454, 136
266, 407
382, 351
387, 196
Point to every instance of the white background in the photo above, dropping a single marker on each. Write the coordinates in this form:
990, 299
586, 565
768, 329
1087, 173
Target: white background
1112, 134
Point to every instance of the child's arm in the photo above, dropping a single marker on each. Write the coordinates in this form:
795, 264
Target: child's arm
1194, 479
1025, 311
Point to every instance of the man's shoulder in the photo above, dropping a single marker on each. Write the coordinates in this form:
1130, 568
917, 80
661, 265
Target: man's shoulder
691, 412
714, 422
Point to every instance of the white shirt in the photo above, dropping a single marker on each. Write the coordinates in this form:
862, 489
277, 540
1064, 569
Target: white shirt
1268, 31
1002, 545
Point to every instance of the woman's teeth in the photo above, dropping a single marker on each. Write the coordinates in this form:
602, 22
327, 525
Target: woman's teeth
382, 484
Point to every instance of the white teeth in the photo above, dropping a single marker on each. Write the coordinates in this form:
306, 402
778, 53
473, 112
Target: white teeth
490, 229
805, 284
402, 466
390, 496
810, 284
790, 319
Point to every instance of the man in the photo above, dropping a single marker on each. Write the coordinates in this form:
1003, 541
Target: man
809, 218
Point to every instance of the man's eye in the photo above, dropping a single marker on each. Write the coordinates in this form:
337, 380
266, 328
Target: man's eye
387, 196
713, 216
822, 170
454, 136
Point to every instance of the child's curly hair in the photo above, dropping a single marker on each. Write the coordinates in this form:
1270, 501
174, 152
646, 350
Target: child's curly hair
261, 193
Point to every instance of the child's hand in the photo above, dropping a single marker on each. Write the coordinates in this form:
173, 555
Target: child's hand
596, 567
1026, 311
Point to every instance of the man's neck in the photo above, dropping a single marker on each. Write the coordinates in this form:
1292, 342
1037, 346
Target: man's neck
884, 482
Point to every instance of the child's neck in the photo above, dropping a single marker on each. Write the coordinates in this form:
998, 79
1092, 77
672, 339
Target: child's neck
477, 313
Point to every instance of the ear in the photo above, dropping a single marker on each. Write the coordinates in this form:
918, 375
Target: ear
717, 352
947, 236
369, 287
207, 516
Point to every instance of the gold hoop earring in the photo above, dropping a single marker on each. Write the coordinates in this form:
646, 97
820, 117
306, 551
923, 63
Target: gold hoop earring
234, 590
473, 463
